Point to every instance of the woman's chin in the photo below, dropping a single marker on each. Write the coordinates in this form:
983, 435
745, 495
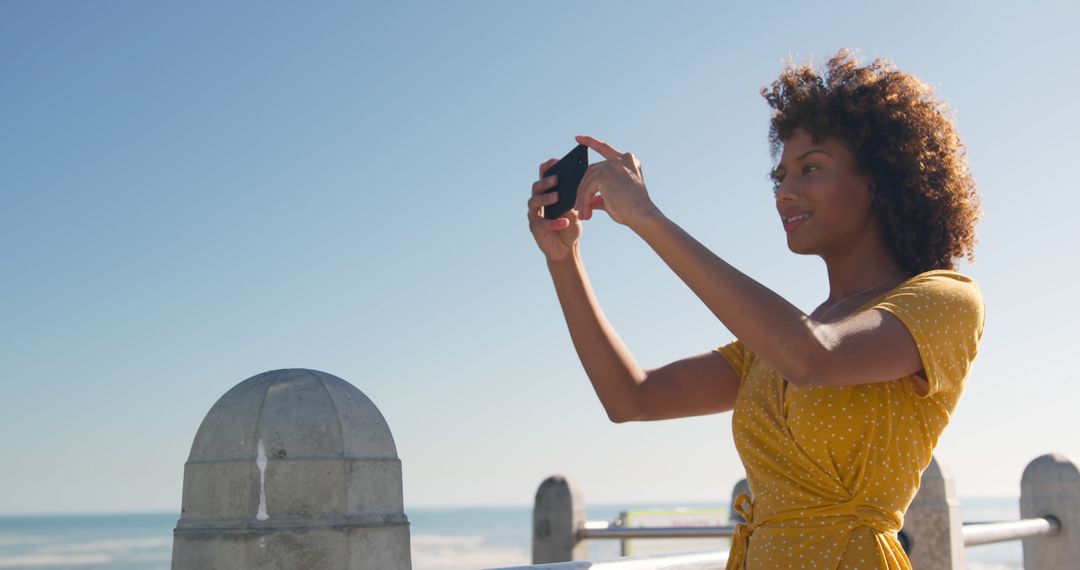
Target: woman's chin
799, 248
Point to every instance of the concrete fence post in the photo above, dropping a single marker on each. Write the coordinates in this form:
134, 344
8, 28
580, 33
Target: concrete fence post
741, 487
558, 513
933, 527
1049, 487
292, 469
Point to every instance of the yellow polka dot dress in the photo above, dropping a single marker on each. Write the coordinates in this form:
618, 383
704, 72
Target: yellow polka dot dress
833, 469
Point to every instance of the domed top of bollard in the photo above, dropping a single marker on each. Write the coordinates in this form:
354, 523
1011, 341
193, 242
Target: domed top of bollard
292, 469
1051, 467
296, 413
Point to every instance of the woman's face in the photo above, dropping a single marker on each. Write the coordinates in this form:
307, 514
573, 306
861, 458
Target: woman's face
823, 201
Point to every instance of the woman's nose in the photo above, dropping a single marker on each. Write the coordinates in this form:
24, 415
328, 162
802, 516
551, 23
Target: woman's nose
786, 191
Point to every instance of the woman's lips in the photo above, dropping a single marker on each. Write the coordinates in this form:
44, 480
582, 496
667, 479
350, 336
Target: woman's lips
792, 222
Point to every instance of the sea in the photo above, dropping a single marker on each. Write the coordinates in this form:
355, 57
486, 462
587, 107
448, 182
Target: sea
469, 538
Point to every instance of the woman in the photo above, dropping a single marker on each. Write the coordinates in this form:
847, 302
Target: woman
835, 413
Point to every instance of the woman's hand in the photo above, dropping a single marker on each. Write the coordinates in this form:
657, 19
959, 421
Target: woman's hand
557, 237
616, 186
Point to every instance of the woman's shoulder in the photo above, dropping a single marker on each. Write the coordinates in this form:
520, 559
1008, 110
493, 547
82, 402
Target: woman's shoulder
943, 310
941, 277
942, 285
939, 294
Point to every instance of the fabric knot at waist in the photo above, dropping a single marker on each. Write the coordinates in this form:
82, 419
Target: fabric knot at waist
853, 512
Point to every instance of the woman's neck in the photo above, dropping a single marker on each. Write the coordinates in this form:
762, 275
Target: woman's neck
862, 269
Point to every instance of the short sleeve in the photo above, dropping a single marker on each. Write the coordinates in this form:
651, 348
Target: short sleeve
737, 355
944, 312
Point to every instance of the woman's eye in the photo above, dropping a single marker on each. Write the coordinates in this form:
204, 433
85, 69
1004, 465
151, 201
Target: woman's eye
810, 168
777, 179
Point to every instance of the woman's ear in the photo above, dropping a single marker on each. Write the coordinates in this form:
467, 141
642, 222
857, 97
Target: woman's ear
875, 195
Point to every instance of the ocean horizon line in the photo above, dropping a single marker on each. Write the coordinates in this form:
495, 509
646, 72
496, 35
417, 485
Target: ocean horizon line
604, 505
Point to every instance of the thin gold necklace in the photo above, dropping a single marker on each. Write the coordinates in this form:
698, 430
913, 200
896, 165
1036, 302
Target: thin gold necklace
836, 303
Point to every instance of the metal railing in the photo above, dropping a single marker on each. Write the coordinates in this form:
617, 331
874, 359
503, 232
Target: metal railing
593, 530
975, 533
933, 535
1004, 531
689, 561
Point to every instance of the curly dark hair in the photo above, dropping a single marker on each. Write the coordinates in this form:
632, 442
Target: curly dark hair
902, 137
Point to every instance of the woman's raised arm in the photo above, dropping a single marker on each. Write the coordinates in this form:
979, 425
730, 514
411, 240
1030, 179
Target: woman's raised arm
802, 350
699, 385
694, 386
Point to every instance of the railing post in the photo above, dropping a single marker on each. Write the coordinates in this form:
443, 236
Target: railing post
1050, 486
741, 487
933, 527
558, 513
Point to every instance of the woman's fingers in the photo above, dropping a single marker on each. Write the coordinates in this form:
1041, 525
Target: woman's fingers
597, 203
583, 188
536, 202
586, 191
538, 222
556, 224
583, 203
547, 165
544, 184
602, 148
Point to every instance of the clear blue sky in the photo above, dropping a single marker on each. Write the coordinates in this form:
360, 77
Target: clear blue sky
197, 192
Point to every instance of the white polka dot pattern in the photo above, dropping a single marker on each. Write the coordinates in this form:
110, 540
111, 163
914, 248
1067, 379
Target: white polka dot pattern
833, 469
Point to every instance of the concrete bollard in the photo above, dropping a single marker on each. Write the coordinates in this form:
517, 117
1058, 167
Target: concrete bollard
741, 487
933, 527
558, 513
292, 469
1050, 486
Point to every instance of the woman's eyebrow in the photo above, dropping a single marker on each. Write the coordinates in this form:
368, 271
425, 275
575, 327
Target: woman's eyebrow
802, 156
811, 151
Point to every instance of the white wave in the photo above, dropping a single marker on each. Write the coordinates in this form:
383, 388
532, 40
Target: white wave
448, 552
42, 560
150, 558
429, 540
7, 541
118, 544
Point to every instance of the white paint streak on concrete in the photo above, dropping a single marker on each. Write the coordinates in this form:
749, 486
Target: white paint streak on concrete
260, 461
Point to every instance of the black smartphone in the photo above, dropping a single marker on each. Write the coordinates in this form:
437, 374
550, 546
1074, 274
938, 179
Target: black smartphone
570, 169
